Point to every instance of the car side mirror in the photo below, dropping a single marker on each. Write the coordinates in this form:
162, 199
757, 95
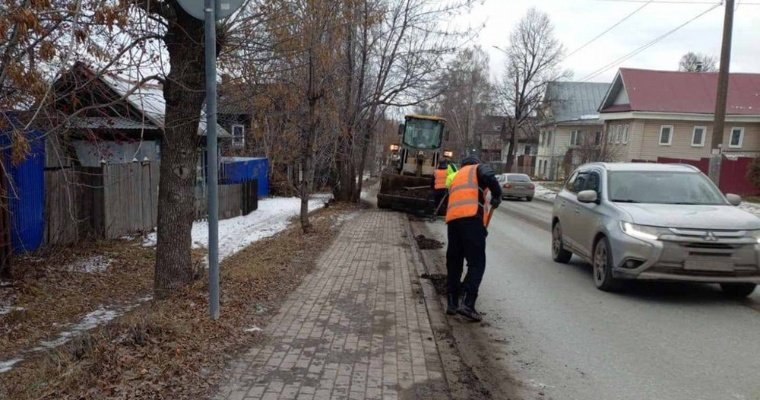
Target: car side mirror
588, 196
734, 199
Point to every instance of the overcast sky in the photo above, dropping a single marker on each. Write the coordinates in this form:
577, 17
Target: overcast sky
578, 21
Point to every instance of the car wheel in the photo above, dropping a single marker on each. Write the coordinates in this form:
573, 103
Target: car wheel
559, 253
737, 290
602, 263
529, 198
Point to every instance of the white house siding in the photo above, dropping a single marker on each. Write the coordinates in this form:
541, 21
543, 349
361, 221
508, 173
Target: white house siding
681, 147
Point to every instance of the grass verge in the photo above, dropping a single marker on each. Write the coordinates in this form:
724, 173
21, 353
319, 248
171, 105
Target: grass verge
170, 349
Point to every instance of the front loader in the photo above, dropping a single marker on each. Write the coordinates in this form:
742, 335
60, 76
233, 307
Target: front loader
407, 185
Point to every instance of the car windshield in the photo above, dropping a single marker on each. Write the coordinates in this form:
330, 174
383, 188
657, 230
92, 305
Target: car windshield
662, 187
518, 178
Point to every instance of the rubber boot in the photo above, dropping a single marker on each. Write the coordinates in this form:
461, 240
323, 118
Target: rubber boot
467, 308
453, 304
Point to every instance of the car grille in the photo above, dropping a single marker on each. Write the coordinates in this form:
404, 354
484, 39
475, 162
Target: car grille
737, 273
710, 245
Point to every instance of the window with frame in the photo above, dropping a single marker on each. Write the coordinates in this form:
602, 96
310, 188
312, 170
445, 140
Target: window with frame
698, 136
666, 135
597, 138
238, 136
737, 138
618, 133
573, 138
625, 134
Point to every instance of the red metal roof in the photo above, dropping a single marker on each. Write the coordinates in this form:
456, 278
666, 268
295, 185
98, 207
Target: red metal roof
688, 92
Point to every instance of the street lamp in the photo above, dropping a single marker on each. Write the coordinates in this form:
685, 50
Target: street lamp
500, 49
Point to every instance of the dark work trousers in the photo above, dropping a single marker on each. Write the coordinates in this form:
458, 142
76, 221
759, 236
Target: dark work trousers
467, 241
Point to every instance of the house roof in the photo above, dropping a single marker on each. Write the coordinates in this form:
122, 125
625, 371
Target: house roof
680, 92
572, 101
149, 99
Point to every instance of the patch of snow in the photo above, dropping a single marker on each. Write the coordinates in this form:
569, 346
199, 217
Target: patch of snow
252, 329
345, 217
4, 283
6, 310
589, 116
545, 193
237, 233
6, 366
96, 263
89, 321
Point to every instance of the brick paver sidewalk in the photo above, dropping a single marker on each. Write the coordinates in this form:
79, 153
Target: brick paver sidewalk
356, 328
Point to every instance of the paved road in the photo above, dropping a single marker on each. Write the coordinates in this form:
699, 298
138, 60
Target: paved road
561, 338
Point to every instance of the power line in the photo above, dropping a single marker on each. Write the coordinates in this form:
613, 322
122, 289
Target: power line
648, 45
608, 29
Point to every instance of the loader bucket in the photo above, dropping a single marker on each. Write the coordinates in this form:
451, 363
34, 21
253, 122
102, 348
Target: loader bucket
406, 193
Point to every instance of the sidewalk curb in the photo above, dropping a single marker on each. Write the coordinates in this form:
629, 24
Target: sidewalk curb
434, 310
435, 305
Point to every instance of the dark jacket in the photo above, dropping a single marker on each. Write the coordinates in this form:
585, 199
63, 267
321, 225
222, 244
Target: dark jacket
487, 179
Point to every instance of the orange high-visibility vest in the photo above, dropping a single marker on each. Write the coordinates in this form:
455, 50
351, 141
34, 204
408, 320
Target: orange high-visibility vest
440, 179
465, 196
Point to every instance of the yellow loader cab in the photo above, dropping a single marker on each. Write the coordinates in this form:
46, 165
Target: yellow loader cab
407, 184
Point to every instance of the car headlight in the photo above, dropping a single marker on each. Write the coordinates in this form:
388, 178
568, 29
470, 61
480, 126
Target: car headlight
756, 235
647, 233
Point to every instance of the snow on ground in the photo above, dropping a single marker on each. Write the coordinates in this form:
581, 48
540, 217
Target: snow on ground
6, 366
96, 263
272, 216
90, 321
237, 233
545, 193
7, 309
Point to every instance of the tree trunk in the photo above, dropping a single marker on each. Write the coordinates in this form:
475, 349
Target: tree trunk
184, 95
511, 153
366, 139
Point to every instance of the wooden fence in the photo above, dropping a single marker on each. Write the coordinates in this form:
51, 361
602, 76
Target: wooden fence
115, 200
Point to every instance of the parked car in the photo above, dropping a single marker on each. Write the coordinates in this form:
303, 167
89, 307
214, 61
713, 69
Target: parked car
517, 186
656, 222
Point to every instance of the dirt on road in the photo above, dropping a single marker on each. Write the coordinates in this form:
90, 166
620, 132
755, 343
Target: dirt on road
480, 371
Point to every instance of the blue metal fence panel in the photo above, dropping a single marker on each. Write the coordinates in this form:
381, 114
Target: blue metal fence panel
26, 192
243, 169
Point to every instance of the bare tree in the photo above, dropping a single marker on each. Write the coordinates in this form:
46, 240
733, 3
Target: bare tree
466, 96
593, 148
533, 59
697, 62
393, 53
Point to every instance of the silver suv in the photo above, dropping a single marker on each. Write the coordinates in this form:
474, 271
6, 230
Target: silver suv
656, 222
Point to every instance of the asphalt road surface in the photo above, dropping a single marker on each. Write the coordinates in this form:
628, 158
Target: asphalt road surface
555, 336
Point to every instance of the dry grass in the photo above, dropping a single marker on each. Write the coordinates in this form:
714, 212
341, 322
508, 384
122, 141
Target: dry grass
170, 349
52, 296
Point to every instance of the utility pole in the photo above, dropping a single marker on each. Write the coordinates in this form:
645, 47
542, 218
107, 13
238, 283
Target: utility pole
722, 95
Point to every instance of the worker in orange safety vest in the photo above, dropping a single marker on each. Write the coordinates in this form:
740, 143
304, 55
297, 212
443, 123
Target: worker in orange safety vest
474, 191
439, 183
